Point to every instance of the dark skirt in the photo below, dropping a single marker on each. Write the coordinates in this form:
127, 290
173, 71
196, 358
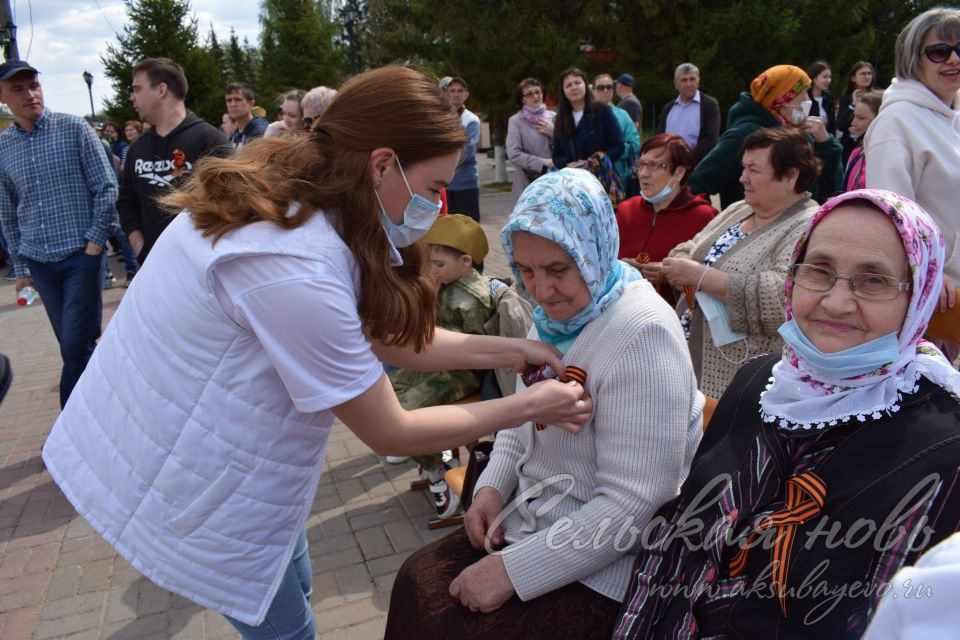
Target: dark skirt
421, 606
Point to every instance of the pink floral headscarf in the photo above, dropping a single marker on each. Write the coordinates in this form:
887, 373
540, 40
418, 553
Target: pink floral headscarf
798, 399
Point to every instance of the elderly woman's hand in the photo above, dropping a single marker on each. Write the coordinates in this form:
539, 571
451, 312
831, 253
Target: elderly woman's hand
483, 586
816, 128
561, 404
486, 506
682, 272
545, 127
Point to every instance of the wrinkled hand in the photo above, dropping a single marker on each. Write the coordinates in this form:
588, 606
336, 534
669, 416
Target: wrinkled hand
534, 352
486, 506
948, 295
23, 282
561, 404
483, 586
651, 270
815, 127
681, 272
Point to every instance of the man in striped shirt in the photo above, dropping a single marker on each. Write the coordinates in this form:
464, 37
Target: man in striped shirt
58, 197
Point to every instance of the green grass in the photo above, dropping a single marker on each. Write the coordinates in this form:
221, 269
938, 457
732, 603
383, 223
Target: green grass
499, 186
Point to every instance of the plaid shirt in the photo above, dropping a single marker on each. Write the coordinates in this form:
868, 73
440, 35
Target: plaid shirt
57, 189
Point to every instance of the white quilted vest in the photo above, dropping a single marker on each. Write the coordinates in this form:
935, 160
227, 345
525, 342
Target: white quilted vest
180, 444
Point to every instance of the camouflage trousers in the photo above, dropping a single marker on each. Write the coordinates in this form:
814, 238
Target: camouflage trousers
417, 389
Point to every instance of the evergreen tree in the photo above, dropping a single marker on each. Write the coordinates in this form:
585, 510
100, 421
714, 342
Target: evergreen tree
162, 28
297, 46
240, 62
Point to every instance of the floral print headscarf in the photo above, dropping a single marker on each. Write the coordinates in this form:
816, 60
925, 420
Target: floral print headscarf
571, 208
797, 399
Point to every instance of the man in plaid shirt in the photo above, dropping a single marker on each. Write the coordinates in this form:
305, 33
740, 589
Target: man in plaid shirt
58, 198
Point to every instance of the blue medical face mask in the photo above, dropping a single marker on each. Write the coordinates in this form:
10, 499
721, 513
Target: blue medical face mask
659, 197
664, 193
715, 313
848, 363
418, 216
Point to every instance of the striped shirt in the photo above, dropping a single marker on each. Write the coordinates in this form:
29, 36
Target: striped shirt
57, 189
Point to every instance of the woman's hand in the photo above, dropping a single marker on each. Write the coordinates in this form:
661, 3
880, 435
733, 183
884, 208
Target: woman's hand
561, 404
682, 272
535, 353
548, 162
486, 506
948, 295
483, 586
545, 127
816, 128
651, 270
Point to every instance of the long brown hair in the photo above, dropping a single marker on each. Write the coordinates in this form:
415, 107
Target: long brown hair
393, 107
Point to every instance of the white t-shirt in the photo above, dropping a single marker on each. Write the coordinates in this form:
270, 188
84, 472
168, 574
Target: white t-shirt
577, 116
304, 313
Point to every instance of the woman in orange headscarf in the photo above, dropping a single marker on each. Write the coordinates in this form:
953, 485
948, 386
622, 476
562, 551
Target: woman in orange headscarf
777, 97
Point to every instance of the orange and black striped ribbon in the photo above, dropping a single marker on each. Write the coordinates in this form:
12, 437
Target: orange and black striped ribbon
804, 498
575, 374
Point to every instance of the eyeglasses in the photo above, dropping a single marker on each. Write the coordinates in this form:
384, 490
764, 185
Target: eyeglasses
604, 87
531, 92
940, 52
307, 122
868, 286
651, 166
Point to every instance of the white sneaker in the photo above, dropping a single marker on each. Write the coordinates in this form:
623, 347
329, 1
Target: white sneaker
397, 459
445, 501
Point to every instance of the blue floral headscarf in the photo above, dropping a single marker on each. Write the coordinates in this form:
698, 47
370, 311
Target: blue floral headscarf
571, 208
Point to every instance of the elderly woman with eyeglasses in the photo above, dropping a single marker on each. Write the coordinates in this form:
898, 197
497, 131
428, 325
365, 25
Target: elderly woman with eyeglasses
529, 136
731, 274
665, 213
314, 103
913, 146
827, 467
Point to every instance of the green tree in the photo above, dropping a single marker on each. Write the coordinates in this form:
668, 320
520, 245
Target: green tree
162, 28
297, 47
240, 61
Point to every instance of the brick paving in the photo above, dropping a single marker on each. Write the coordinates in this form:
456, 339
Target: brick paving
59, 580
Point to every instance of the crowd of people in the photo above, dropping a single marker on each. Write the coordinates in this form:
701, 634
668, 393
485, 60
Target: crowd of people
294, 272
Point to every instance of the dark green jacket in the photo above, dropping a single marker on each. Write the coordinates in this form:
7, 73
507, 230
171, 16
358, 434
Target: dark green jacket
719, 172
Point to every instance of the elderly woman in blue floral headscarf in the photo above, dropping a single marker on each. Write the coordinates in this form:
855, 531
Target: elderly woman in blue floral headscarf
824, 469
559, 509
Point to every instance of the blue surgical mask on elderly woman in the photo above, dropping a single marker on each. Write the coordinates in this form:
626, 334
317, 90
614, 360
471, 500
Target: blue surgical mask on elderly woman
418, 216
839, 365
571, 208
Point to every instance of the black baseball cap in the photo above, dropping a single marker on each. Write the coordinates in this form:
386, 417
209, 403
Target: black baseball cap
12, 67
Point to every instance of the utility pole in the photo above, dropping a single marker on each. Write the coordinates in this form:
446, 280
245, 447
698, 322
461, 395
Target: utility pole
8, 32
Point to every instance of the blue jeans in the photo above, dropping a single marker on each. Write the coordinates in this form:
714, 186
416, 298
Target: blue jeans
289, 616
129, 257
70, 290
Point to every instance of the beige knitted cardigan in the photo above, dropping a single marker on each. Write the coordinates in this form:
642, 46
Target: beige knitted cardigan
757, 265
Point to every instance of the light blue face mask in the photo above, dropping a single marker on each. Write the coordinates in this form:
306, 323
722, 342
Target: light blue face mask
715, 313
418, 216
660, 197
840, 365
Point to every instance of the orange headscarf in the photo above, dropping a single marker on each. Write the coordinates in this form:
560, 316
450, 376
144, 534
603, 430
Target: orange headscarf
778, 85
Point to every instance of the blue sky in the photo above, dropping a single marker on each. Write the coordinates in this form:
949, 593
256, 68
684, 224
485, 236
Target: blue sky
67, 37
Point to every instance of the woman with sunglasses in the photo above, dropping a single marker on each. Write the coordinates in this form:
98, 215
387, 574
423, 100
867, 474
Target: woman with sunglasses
314, 103
529, 136
913, 147
825, 468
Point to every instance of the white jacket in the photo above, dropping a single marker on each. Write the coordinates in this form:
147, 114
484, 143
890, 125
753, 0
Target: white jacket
913, 148
181, 444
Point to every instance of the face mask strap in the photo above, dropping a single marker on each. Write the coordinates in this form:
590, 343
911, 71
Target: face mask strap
402, 174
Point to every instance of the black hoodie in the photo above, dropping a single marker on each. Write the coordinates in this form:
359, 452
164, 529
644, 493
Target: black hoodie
156, 163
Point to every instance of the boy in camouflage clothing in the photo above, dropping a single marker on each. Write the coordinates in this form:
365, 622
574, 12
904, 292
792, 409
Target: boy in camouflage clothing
464, 304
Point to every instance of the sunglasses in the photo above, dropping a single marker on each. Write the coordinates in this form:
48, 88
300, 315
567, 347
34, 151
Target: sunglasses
604, 87
307, 122
940, 52
532, 92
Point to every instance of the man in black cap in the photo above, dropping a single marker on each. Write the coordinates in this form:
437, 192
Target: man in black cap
628, 101
57, 203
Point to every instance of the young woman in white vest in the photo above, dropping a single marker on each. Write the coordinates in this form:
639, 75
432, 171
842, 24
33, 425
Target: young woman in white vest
195, 439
